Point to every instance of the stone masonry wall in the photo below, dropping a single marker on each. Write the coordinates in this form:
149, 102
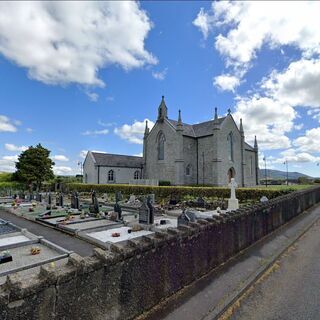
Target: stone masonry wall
127, 280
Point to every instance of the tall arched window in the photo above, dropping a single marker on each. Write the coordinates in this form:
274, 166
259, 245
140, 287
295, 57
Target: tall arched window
230, 146
136, 175
161, 140
110, 175
188, 170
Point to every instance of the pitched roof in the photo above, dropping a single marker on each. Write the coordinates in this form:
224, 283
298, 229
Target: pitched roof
197, 130
248, 147
117, 160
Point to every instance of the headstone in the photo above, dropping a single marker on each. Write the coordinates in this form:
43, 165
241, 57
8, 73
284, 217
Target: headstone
75, 203
59, 200
94, 207
31, 197
233, 202
186, 217
132, 199
201, 202
118, 196
152, 198
49, 203
39, 197
151, 209
117, 207
144, 213
173, 200
264, 199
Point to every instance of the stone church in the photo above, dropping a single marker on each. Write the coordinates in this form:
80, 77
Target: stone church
207, 153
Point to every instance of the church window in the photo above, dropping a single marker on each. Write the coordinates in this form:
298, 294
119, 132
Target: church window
251, 165
136, 175
188, 170
161, 140
110, 175
230, 146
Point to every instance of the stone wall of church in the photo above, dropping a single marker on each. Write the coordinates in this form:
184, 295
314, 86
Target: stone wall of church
161, 169
250, 172
190, 158
90, 172
120, 174
205, 157
227, 127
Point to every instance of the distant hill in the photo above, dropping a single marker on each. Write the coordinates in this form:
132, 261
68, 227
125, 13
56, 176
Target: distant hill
277, 174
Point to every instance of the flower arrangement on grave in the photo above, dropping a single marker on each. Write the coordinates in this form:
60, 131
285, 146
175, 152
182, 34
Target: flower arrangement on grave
34, 204
31, 210
35, 250
115, 234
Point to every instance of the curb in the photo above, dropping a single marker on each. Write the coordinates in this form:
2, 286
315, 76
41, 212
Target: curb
220, 310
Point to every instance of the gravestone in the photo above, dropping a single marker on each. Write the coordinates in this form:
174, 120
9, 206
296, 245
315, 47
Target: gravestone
49, 203
152, 198
117, 207
31, 197
201, 202
75, 203
59, 200
94, 207
264, 199
39, 197
186, 217
233, 202
146, 212
132, 199
174, 199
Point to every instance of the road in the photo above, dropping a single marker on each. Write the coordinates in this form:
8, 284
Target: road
63, 240
291, 289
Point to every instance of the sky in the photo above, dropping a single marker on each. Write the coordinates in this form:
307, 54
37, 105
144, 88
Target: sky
79, 76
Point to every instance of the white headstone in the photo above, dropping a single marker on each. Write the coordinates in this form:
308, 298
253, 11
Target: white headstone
233, 203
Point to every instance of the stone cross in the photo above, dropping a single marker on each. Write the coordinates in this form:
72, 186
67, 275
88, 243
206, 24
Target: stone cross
233, 185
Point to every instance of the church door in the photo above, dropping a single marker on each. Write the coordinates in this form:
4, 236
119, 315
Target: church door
231, 174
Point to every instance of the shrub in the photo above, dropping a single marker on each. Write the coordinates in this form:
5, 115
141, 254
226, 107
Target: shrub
164, 192
164, 183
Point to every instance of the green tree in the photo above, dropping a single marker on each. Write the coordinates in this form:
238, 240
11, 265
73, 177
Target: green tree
34, 166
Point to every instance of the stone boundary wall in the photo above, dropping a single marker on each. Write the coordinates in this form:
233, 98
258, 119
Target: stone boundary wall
125, 281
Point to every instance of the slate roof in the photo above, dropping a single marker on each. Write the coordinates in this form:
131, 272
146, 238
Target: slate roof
197, 130
247, 146
117, 160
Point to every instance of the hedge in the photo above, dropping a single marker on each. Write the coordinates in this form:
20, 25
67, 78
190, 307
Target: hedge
178, 191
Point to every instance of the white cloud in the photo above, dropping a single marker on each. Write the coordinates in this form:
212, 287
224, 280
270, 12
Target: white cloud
248, 25
61, 170
298, 85
134, 132
95, 132
69, 42
5, 124
92, 96
298, 126
160, 75
11, 158
266, 118
292, 155
7, 163
310, 142
29, 130
226, 82
83, 154
140, 154
60, 157
12, 147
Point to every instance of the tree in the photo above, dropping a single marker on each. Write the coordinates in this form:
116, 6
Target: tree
34, 166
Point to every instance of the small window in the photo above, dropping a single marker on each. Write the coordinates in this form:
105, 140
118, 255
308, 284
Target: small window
111, 175
188, 170
136, 175
161, 140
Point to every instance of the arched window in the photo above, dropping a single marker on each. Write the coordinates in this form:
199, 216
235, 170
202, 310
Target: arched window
231, 174
110, 175
230, 146
136, 175
188, 170
161, 140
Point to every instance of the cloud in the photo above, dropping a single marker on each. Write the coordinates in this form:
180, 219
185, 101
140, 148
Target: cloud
83, 154
61, 170
92, 96
5, 123
298, 85
106, 124
29, 130
8, 163
266, 118
140, 154
310, 142
11, 158
95, 132
69, 42
226, 82
60, 157
134, 132
292, 155
110, 98
12, 147
161, 75
248, 25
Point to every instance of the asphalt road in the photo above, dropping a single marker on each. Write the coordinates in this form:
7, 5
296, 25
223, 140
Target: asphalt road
61, 239
292, 290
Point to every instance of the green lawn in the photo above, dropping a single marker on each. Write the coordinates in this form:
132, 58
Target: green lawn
284, 187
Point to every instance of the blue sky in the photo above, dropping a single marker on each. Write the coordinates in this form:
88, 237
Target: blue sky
85, 76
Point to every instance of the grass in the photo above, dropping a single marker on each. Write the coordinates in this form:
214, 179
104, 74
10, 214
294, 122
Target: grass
294, 187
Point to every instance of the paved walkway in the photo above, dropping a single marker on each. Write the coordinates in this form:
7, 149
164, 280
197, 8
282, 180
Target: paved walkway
292, 290
205, 297
64, 240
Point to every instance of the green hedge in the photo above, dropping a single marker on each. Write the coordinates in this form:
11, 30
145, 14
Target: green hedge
162, 192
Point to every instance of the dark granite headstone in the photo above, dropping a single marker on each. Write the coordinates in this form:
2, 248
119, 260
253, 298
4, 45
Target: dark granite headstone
94, 207
117, 207
186, 217
144, 213
59, 200
31, 197
151, 210
201, 202
39, 197
75, 203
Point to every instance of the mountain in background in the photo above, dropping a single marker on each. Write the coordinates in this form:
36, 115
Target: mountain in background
277, 174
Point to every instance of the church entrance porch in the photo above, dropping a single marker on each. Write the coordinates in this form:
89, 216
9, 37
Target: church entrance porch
231, 174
